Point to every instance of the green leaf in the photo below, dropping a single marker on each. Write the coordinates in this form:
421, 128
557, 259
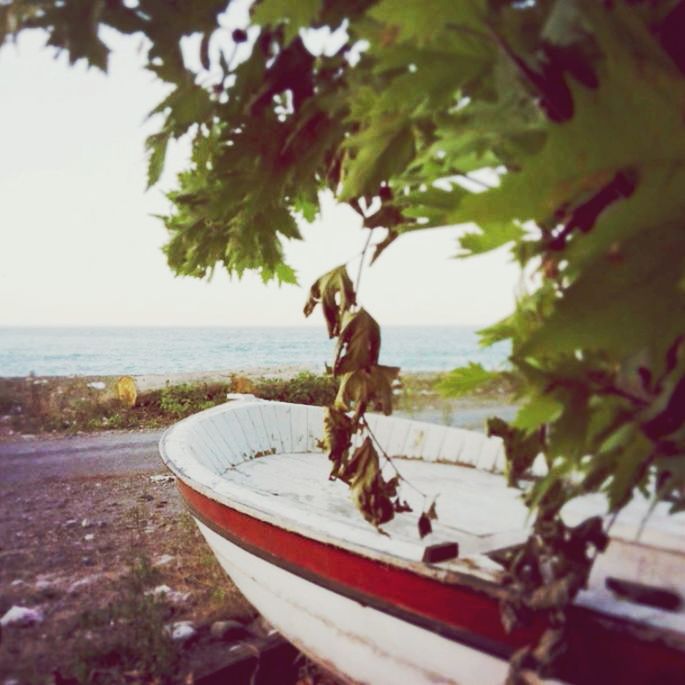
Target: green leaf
489, 238
574, 162
630, 469
600, 309
376, 154
293, 14
414, 21
520, 447
308, 210
465, 380
156, 145
538, 411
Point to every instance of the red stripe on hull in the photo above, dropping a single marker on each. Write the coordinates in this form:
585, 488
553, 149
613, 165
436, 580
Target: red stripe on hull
600, 650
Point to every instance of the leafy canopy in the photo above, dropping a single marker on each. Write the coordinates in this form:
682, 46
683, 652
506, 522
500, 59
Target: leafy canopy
552, 127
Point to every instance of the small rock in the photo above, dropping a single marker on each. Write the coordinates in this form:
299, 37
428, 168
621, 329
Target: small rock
97, 385
163, 560
159, 590
85, 523
174, 596
47, 588
180, 631
162, 478
87, 561
89, 537
21, 617
70, 523
17, 583
228, 630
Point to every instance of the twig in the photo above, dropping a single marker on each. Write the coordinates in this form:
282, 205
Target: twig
390, 461
361, 261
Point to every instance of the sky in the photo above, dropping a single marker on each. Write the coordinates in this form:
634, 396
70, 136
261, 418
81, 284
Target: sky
80, 245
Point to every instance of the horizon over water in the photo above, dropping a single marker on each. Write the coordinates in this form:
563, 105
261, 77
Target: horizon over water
135, 350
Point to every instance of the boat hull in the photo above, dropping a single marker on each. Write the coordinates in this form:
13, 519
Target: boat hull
370, 622
346, 636
369, 605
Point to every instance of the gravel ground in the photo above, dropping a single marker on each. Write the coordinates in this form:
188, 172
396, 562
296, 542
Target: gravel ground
76, 516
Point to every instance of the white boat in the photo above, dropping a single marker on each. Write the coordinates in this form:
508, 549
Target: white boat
393, 608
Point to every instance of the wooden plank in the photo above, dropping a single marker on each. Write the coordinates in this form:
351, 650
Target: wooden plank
298, 428
269, 414
491, 457
435, 436
254, 431
240, 448
416, 438
283, 423
452, 446
397, 440
314, 428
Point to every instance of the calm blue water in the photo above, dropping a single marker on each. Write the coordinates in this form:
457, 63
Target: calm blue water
105, 351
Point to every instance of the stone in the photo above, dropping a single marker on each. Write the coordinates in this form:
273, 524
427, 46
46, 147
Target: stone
180, 631
162, 478
163, 560
174, 596
21, 617
47, 588
89, 537
85, 523
228, 630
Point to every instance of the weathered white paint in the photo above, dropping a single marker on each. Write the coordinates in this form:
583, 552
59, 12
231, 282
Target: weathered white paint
365, 644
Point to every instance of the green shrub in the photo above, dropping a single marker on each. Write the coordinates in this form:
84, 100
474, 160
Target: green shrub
305, 388
188, 398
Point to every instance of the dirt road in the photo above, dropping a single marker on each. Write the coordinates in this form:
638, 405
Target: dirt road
31, 459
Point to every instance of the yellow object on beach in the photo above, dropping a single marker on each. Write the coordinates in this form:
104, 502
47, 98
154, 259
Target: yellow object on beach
127, 391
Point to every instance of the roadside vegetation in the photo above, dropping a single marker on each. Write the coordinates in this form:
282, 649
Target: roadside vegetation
87, 404
38, 405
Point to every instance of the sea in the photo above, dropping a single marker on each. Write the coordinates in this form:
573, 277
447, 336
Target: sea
83, 351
